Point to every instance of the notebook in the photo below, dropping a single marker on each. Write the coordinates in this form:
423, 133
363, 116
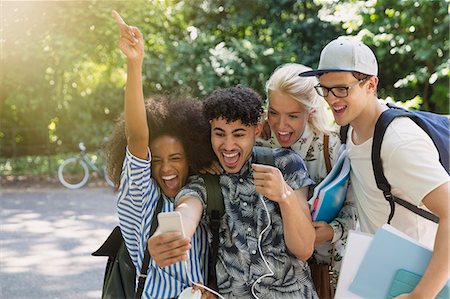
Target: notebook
329, 196
389, 251
405, 281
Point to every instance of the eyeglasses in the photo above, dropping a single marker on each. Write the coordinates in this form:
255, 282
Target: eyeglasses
339, 91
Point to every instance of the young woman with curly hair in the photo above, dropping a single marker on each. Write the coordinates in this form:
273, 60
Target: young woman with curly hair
154, 149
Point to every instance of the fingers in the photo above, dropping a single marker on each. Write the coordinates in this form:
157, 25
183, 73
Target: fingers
262, 167
266, 175
130, 33
168, 248
118, 18
318, 224
270, 183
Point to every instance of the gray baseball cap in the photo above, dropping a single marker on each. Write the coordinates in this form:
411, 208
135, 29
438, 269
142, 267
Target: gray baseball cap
345, 55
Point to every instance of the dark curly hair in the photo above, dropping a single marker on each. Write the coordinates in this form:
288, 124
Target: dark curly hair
179, 118
234, 103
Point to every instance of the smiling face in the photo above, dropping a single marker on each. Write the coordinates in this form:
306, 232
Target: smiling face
170, 167
287, 118
354, 106
233, 142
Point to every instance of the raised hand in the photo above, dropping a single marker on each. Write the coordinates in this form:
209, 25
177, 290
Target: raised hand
270, 183
131, 41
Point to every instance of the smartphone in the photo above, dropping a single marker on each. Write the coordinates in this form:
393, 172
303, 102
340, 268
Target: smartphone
170, 222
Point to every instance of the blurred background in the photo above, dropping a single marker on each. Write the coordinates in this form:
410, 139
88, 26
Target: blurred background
62, 76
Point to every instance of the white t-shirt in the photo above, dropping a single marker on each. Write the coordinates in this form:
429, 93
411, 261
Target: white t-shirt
411, 165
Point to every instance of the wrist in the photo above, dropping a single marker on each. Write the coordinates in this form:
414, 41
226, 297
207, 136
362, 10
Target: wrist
135, 62
286, 196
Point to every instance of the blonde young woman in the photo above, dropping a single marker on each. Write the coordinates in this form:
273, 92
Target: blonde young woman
297, 119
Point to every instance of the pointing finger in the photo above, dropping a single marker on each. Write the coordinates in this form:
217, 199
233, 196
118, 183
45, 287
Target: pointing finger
118, 18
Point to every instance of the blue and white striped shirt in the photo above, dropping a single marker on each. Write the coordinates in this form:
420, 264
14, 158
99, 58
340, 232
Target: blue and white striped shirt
137, 199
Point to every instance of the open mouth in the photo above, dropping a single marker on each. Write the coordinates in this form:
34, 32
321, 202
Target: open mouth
230, 159
170, 181
339, 109
284, 137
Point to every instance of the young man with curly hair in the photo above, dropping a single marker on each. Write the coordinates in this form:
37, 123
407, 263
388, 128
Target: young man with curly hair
252, 262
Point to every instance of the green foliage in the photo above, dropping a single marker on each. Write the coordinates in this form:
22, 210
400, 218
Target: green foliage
62, 76
411, 41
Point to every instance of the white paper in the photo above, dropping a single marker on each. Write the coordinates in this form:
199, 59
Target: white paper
356, 248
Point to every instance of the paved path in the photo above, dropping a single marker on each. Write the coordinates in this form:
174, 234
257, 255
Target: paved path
46, 238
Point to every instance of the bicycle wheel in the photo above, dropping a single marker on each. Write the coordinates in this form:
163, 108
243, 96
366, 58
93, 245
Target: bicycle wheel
73, 173
107, 178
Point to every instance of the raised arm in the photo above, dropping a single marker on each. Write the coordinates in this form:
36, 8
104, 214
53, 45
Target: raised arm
131, 43
298, 230
170, 248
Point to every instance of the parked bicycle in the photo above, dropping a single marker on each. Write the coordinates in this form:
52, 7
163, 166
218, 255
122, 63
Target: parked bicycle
74, 173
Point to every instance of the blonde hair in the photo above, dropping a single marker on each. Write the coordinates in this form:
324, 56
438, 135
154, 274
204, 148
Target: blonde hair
286, 79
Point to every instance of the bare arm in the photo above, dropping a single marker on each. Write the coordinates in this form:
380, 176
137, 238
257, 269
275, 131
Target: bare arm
131, 43
437, 271
170, 248
298, 230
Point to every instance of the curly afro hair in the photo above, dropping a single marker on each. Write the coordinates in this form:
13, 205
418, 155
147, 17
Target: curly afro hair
234, 103
167, 116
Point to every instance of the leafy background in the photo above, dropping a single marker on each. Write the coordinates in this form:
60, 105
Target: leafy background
62, 76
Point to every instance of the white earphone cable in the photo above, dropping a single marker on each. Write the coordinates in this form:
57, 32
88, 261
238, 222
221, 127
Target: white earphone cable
198, 284
271, 273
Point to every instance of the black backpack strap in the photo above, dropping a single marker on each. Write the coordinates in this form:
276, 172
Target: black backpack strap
264, 155
343, 132
215, 209
146, 260
380, 129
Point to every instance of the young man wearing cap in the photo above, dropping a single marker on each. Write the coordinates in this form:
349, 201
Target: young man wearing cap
348, 80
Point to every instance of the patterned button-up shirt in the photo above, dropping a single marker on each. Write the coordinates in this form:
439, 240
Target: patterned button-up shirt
310, 146
240, 263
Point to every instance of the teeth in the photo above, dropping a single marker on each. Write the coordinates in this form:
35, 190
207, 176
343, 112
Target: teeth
284, 133
338, 108
169, 177
230, 155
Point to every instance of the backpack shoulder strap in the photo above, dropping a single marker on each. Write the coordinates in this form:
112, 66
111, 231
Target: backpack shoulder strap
380, 129
146, 260
215, 210
343, 132
213, 194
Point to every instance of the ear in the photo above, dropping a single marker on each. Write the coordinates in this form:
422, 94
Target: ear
372, 84
258, 129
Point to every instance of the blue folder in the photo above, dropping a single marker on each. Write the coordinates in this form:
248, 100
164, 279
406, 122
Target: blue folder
388, 253
405, 281
329, 196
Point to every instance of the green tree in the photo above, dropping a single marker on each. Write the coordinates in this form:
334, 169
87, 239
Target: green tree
411, 41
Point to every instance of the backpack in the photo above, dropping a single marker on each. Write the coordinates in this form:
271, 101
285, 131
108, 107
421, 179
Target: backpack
215, 210
120, 273
435, 125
